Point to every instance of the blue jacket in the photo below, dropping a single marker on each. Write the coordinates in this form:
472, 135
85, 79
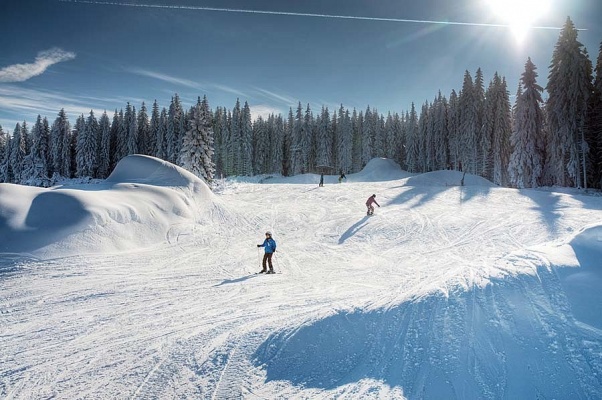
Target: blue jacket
270, 245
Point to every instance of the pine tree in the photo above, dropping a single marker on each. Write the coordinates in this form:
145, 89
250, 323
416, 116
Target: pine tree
17, 155
35, 167
344, 141
277, 144
287, 154
399, 132
114, 140
144, 145
197, 143
357, 122
413, 162
380, 141
486, 142
261, 146
246, 131
4, 149
235, 142
594, 126
47, 152
298, 143
421, 137
86, 150
324, 139
226, 142
6, 172
155, 125
161, 142
104, 159
308, 148
220, 134
440, 126
367, 137
568, 89
62, 150
174, 126
26, 137
121, 149
501, 132
527, 141
478, 155
468, 125
132, 131
453, 130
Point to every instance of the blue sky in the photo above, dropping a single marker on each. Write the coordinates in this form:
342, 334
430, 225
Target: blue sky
83, 55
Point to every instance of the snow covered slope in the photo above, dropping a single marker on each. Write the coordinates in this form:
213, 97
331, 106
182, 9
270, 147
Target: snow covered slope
447, 291
138, 205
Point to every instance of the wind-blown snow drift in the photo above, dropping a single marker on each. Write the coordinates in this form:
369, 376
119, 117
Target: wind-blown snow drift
135, 206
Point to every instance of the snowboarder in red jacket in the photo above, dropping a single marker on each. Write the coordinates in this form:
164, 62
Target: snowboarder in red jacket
369, 203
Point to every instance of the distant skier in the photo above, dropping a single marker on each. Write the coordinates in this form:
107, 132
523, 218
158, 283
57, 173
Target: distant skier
369, 203
342, 176
321, 180
269, 246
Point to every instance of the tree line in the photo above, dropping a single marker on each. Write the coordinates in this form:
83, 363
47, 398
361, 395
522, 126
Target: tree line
531, 143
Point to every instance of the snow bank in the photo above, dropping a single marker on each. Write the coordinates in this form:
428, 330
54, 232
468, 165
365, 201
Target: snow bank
448, 178
300, 179
138, 205
379, 170
154, 171
582, 281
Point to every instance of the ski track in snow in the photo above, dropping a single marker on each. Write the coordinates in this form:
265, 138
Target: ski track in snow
437, 295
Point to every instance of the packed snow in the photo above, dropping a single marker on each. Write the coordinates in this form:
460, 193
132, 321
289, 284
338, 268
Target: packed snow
145, 286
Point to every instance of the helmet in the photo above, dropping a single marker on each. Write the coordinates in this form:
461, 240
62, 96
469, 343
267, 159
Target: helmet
268, 233
373, 195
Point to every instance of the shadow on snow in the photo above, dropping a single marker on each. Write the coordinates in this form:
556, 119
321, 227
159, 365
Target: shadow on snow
353, 229
494, 341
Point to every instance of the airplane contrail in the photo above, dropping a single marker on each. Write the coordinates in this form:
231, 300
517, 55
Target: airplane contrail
296, 14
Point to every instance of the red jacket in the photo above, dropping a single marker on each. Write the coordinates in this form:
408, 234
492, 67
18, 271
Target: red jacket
370, 201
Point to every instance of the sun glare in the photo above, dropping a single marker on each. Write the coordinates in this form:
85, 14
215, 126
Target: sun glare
520, 15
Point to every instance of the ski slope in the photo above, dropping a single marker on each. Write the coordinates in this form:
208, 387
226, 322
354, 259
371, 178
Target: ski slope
143, 286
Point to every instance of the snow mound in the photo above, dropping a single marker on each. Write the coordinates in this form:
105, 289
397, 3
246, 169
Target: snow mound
582, 281
448, 178
139, 205
139, 168
379, 170
301, 179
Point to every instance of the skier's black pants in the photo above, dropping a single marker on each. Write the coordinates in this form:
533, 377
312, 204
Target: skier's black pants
267, 257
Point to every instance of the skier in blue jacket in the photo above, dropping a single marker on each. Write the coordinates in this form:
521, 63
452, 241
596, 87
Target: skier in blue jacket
269, 246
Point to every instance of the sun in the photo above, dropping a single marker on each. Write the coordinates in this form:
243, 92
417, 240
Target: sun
519, 15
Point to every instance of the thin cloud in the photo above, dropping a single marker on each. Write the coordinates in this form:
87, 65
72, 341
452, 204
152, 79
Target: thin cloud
44, 60
296, 14
228, 89
29, 103
289, 101
204, 87
167, 78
